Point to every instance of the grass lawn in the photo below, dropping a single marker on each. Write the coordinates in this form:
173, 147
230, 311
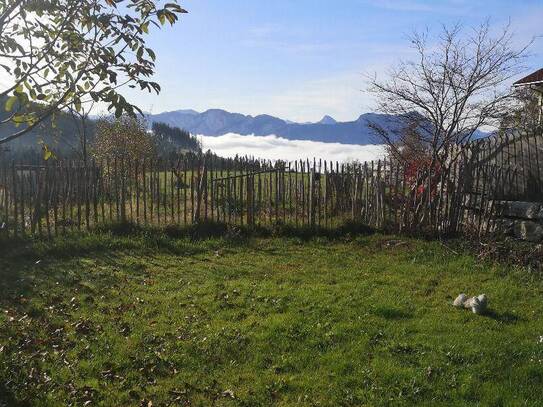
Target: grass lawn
152, 321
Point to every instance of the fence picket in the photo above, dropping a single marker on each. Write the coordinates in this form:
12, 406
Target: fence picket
50, 198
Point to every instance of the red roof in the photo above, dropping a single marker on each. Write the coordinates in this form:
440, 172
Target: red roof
536, 77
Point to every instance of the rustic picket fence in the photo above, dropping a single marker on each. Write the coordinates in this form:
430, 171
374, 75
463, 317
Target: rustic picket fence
55, 197
510, 164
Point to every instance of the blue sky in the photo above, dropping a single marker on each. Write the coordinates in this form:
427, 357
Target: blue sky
301, 59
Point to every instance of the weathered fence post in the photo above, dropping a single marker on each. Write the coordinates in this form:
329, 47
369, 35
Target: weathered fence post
201, 184
249, 190
312, 197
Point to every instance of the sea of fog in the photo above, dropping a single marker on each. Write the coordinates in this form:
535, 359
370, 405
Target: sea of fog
275, 148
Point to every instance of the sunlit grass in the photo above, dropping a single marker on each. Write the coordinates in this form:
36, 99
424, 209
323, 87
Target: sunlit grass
361, 321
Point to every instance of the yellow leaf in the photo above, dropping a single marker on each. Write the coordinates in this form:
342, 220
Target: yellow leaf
10, 103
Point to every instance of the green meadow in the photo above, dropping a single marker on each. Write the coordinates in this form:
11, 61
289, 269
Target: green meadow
150, 320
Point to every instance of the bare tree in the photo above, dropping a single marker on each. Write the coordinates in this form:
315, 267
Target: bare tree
80, 119
458, 83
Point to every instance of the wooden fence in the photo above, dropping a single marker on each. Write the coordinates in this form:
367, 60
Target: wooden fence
55, 197
511, 164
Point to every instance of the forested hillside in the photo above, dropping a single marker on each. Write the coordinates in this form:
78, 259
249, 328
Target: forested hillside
64, 136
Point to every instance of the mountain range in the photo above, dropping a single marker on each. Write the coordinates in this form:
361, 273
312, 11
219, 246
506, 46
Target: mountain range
62, 136
217, 122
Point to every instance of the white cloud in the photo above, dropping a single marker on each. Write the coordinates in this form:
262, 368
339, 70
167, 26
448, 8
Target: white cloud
275, 148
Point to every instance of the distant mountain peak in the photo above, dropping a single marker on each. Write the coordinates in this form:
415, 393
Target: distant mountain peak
217, 122
327, 120
189, 111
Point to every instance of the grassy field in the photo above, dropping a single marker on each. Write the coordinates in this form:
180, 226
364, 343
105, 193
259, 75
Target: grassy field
152, 321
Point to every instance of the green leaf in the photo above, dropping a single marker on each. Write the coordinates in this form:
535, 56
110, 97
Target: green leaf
10, 103
47, 154
19, 119
176, 8
162, 18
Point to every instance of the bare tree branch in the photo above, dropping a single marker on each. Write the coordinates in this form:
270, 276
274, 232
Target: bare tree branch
456, 85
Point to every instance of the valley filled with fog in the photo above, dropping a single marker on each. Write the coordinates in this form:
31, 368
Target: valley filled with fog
275, 148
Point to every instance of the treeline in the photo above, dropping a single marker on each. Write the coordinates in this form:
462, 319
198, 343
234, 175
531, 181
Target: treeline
171, 140
60, 133
74, 138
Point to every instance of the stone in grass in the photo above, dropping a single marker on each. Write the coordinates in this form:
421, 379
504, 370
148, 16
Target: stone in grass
478, 305
483, 301
460, 300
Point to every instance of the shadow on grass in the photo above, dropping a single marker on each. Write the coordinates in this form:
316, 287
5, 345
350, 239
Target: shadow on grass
212, 229
22, 258
8, 400
106, 239
173, 239
22, 278
504, 317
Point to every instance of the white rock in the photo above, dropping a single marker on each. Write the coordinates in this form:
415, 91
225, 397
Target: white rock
460, 300
473, 304
483, 301
477, 305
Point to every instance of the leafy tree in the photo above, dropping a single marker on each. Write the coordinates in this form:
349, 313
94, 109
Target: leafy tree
124, 138
61, 134
62, 53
